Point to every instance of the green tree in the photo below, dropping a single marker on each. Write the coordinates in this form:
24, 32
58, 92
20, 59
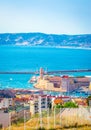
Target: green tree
89, 96
70, 105
59, 106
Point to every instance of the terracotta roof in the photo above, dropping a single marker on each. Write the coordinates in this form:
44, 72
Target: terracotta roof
21, 99
65, 76
58, 101
81, 102
55, 78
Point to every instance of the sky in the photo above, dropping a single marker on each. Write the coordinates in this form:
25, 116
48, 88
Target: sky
46, 16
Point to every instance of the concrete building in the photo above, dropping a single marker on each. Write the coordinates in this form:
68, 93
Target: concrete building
56, 83
6, 102
68, 83
83, 81
6, 99
4, 119
61, 84
39, 103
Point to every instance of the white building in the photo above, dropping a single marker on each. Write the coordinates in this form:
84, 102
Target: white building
68, 83
6, 102
39, 103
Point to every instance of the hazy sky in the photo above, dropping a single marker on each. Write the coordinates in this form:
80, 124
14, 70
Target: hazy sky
47, 16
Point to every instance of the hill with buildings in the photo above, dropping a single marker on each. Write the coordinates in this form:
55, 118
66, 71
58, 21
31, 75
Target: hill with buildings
41, 39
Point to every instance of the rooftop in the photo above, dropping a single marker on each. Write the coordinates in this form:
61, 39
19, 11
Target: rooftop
6, 94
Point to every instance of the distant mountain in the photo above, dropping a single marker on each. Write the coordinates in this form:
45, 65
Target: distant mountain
41, 39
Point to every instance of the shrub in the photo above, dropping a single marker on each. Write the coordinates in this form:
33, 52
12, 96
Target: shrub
59, 106
70, 105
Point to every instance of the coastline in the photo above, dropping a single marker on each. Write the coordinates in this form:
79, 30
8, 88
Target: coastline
58, 47
68, 47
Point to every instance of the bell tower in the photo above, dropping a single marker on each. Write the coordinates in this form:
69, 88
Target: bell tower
41, 73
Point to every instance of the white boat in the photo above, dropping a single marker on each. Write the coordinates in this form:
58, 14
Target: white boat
33, 79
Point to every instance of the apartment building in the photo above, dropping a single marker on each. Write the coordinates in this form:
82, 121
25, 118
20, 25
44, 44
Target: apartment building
39, 103
6, 102
6, 99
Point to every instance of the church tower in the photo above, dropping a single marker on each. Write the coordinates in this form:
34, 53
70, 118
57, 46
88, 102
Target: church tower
41, 73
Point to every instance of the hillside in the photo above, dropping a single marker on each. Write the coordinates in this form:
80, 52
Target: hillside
41, 39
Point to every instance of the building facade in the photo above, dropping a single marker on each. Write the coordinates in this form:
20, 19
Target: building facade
39, 103
6, 102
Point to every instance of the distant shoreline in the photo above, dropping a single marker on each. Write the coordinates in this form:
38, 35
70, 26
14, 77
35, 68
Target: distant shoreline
59, 47
69, 47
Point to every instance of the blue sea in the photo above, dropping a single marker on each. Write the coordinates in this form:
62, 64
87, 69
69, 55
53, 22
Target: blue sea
27, 58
